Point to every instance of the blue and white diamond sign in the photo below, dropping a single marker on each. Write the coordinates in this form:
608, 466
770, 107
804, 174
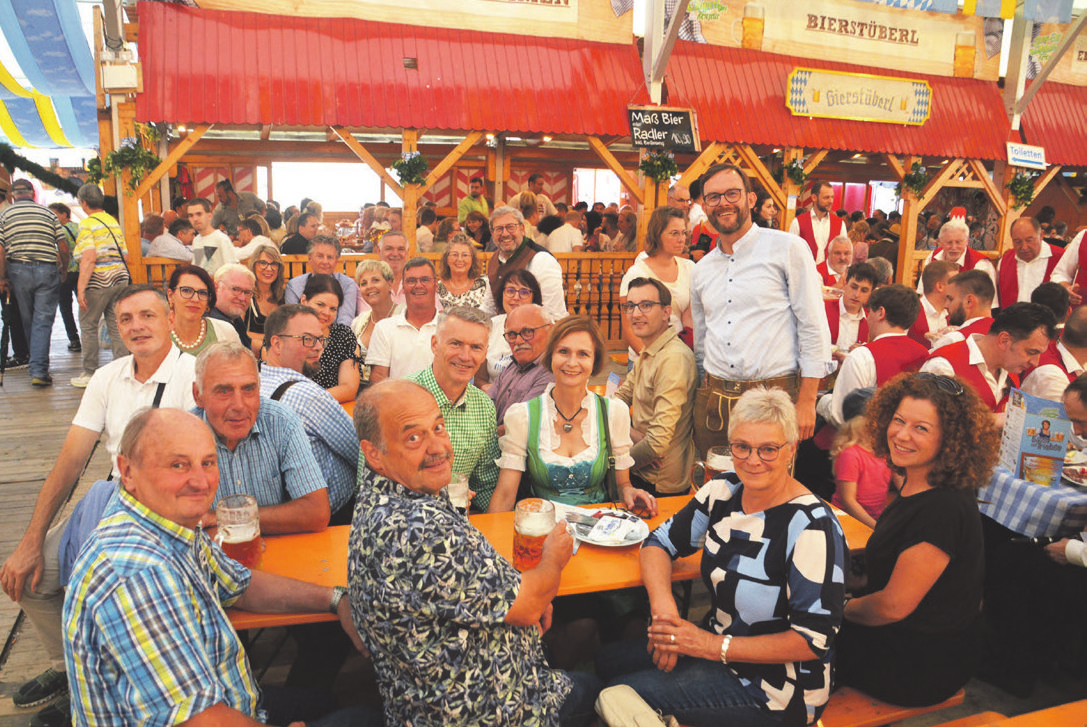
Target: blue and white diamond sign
858, 97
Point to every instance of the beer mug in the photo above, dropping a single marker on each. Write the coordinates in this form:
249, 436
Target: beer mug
533, 521
718, 461
752, 25
457, 490
238, 533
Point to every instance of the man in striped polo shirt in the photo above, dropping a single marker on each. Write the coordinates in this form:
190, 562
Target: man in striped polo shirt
33, 251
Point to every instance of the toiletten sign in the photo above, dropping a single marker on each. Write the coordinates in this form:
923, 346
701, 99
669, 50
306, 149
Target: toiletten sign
858, 97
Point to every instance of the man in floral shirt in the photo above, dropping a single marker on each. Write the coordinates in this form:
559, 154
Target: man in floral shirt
453, 628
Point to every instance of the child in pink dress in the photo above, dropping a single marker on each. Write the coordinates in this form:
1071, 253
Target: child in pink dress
863, 480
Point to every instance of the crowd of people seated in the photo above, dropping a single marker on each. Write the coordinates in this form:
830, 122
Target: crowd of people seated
824, 380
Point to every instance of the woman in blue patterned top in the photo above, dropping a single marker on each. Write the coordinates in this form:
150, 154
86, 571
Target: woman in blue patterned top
773, 560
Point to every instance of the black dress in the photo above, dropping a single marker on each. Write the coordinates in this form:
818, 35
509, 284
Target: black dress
929, 655
342, 346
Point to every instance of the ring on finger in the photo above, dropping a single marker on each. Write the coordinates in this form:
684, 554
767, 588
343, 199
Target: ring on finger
673, 638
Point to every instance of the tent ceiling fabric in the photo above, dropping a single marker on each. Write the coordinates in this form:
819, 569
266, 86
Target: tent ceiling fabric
47, 39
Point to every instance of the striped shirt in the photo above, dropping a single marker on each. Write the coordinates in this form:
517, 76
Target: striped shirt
30, 233
101, 233
146, 640
274, 463
470, 422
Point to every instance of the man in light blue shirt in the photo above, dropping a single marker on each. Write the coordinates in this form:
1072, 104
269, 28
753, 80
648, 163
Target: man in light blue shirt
292, 345
324, 256
758, 311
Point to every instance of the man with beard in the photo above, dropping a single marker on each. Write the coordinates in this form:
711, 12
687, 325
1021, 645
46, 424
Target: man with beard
758, 312
969, 304
516, 251
839, 258
292, 353
817, 226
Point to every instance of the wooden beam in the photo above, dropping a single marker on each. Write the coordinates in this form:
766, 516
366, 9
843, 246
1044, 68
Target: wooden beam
410, 141
171, 159
937, 183
895, 165
265, 132
987, 184
790, 188
1047, 177
704, 161
450, 159
361, 152
765, 178
132, 32
815, 160
613, 164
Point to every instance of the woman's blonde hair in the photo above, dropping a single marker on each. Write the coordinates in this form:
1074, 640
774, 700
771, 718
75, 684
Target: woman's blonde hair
850, 433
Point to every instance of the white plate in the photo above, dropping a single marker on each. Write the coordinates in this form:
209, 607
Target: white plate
637, 535
1078, 482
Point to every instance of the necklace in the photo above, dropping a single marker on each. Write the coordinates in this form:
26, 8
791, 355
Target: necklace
567, 424
199, 339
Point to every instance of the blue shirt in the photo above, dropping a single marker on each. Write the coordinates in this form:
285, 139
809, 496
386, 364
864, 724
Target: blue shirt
329, 428
346, 314
758, 313
82, 522
274, 463
146, 640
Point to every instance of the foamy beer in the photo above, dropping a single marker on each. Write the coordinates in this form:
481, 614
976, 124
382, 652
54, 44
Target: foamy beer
238, 533
718, 461
753, 23
533, 521
965, 53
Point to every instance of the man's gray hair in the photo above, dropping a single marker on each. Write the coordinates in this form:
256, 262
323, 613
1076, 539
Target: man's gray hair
91, 194
537, 309
506, 210
952, 225
229, 268
324, 240
884, 268
391, 233
839, 240
225, 350
419, 262
765, 406
369, 266
464, 313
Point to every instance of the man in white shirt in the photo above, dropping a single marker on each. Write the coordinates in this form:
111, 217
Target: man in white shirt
839, 258
1071, 271
250, 237
1027, 265
157, 374
932, 319
212, 249
968, 302
846, 315
515, 250
1062, 363
698, 212
818, 226
400, 344
424, 234
567, 238
755, 285
176, 242
324, 257
955, 249
543, 204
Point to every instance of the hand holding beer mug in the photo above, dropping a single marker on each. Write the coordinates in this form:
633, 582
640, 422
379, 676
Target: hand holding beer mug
239, 529
718, 461
533, 521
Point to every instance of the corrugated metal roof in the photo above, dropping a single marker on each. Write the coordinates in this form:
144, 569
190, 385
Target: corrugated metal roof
740, 97
1056, 118
206, 66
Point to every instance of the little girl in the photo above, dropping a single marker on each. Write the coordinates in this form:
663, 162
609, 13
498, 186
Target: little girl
862, 479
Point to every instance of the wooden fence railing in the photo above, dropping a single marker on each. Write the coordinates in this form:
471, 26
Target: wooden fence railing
591, 282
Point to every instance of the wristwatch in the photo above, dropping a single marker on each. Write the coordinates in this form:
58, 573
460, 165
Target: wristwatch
338, 592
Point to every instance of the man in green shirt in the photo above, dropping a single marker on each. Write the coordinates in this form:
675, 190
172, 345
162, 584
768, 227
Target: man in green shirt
474, 201
460, 347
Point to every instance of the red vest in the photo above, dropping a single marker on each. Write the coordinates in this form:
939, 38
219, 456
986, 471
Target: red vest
895, 354
827, 276
1081, 271
920, 328
1007, 274
970, 258
803, 221
981, 325
1050, 357
834, 313
958, 354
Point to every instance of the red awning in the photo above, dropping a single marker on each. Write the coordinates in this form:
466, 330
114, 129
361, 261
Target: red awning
1056, 118
207, 66
740, 97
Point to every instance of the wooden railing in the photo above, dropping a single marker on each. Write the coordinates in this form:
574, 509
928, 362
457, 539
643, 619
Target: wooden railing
591, 282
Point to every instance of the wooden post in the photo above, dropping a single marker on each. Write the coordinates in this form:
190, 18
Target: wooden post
908, 232
411, 200
130, 202
789, 187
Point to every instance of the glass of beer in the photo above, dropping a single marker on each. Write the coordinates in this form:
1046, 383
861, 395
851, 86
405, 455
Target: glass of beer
718, 461
533, 521
238, 533
457, 490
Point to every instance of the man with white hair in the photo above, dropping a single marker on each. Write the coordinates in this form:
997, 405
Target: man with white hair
324, 257
955, 249
839, 258
235, 286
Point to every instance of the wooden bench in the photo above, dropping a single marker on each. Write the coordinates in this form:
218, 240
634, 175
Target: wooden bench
850, 708
975, 720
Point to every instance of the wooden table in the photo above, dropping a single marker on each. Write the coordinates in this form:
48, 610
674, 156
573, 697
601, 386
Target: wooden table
322, 558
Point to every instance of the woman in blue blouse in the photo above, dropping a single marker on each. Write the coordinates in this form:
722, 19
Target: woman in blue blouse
773, 560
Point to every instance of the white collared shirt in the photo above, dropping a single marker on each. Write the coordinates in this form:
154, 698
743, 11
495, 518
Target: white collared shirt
984, 265
1065, 272
1048, 381
940, 365
758, 313
858, 371
1030, 276
954, 336
937, 319
401, 346
848, 326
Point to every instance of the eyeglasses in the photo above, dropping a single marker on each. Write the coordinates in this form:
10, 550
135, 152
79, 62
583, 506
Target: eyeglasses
517, 292
240, 291
732, 196
525, 334
413, 282
945, 384
187, 293
511, 228
267, 264
307, 340
767, 452
644, 306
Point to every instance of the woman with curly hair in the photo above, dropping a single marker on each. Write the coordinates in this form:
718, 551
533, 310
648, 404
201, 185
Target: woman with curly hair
913, 634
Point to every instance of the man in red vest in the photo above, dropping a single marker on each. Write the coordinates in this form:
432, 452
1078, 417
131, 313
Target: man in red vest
1071, 271
931, 321
839, 258
889, 352
955, 249
1062, 362
845, 315
969, 299
991, 362
818, 226
1027, 265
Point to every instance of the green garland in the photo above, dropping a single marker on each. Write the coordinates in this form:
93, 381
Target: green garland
915, 180
1021, 186
133, 156
795, 172
658, 166
410, 168
11, 161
